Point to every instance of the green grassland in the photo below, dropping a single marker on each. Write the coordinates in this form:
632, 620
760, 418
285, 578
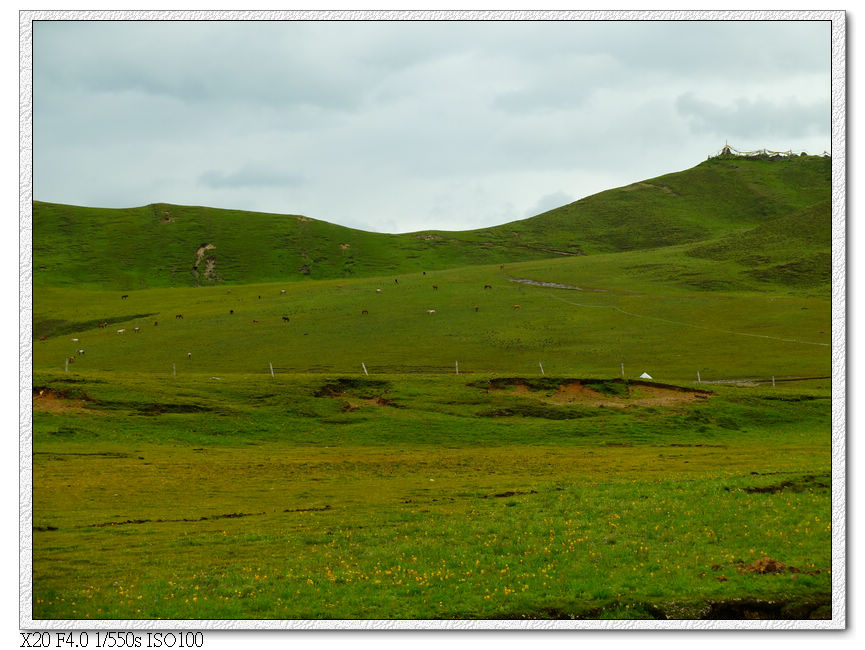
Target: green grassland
155, 245
175, 477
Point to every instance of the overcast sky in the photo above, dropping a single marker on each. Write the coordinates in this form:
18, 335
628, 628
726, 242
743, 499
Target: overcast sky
405, 126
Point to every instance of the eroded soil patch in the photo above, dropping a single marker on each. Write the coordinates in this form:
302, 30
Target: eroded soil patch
48, 400
357, 403
595, 392
356, 393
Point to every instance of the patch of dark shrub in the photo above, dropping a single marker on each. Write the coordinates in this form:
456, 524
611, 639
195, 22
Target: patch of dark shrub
737, 609
358, 386
802, 484
535, 411
149, 408
56, 327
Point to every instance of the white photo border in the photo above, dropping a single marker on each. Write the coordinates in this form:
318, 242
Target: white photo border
839, 318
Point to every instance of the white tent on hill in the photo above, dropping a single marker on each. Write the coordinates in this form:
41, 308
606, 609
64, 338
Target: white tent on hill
645, 375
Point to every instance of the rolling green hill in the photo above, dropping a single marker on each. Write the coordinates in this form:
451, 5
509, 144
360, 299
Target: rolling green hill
308, 421
716, 205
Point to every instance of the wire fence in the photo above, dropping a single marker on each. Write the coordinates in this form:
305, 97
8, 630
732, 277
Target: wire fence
458, 370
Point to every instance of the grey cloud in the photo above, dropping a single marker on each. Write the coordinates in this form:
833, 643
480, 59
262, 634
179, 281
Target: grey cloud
568, 85
754, 117
405, 118
549, 202
272, 63
248, 177
562, 98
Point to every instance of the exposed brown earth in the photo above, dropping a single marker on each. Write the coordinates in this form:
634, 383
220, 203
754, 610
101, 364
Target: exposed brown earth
575, 392
49, 401
358, 402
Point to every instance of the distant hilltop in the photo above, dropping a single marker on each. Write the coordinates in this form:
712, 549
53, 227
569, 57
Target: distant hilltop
729, 152
166, 245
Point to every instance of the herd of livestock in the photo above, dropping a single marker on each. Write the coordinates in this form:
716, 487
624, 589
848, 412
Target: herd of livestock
285, 319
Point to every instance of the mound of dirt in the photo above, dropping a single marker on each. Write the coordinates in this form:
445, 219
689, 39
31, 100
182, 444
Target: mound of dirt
767, 565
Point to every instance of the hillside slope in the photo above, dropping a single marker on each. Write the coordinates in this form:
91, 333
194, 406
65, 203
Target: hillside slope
163, 245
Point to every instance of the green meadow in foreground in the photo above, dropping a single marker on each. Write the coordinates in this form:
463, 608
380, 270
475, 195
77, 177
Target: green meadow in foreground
428, 497
452, 428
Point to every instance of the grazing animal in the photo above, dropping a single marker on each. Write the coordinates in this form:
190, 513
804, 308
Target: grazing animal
189, 355
155, 323
124, 297
259, 297
121, 331
424, 272
285, 319
378, 290
430, 311
435, 287
228, 291
395, 281
230, 311
71, 359
476, 307
179, 316
136, 329
75, 340
100, 325
282, 291
43, 338
502, 266
363, 311
80, 352
516, 306
488, 286
254, 321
